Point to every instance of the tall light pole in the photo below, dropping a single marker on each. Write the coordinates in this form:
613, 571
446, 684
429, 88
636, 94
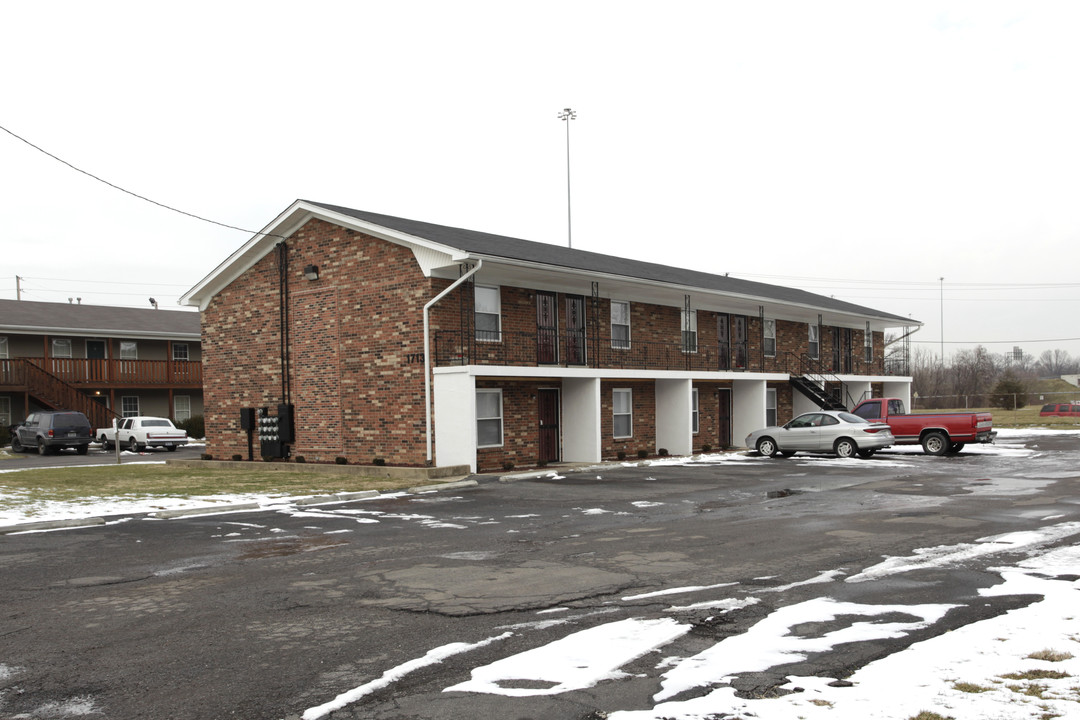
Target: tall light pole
942, 281
566, 116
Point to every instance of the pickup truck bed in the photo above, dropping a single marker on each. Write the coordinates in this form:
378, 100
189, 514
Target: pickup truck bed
938, 433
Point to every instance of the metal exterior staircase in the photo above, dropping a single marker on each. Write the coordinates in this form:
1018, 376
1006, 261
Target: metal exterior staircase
808, 377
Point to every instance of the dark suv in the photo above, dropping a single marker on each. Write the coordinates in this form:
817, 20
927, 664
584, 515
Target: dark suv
52, 430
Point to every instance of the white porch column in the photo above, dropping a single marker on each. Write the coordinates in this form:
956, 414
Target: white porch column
674, 427
747, 409
856, 391
455, 418
899, 388
581, 420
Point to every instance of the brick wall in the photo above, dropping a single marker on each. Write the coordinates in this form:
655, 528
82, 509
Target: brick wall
356, 349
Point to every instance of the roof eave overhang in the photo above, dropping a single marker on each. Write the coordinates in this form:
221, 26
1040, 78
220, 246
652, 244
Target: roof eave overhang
675, 291
99, 332
282, 227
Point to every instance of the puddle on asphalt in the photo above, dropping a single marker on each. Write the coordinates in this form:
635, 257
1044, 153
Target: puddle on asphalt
282, 547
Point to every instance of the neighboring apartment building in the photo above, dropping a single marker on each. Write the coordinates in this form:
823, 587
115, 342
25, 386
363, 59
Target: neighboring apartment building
418, 343
103, 361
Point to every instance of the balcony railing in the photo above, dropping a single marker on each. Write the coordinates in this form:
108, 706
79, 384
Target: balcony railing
546, 348
105, 373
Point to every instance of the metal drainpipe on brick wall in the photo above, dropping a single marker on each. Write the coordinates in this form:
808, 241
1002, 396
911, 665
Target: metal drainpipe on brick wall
427, 347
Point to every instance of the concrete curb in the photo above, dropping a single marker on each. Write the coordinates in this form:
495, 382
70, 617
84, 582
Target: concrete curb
207, 510
52, 525
454, 485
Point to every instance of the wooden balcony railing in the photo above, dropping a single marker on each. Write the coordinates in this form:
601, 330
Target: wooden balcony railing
130, 373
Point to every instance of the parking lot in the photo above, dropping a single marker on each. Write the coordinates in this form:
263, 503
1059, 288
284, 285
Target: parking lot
605, 592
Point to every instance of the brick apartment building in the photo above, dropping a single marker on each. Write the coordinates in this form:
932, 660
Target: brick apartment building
424, 344
103, 361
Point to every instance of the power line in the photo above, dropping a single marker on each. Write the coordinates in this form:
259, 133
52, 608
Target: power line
134, 194
106, 282
994, 342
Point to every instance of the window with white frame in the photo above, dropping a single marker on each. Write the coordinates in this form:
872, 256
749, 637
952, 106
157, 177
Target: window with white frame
695, 415
129, 406
180, 352
770, 338
129, 350
689, 330
868, 344
3, 347
489, 418
770, 407
5, 411
622, 412
182, 407
61, 348
813, 345
488, 309
620, 324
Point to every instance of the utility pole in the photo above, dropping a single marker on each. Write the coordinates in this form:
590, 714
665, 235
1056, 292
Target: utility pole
566, 116
18, 288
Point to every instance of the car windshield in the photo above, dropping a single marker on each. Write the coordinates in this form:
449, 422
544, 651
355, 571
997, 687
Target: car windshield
848, 417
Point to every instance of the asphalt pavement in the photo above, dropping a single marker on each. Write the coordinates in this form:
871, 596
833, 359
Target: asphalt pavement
270, 613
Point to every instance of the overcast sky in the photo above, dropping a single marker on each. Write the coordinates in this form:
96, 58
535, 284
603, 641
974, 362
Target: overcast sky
862, 149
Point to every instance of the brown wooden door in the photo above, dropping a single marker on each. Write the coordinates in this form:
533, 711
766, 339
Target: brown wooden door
547, 329
548, 413
723, 418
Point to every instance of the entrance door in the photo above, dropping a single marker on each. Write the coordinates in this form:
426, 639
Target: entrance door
723, 418
742, 351
723, 338
575, 330
547, 329
548, 411
95, 357
847, 359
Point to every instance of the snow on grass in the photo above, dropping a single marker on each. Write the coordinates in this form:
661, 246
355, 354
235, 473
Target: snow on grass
575, 662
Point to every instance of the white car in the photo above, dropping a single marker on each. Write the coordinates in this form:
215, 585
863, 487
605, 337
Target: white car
139, 433
825, 431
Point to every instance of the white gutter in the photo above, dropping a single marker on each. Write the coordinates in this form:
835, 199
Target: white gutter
427, 347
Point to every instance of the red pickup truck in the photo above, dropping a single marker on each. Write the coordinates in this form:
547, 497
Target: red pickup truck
938, 433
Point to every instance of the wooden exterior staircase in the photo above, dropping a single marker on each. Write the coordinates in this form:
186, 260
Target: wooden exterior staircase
51, 391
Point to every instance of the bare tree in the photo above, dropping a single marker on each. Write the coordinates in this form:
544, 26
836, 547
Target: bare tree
1055, 363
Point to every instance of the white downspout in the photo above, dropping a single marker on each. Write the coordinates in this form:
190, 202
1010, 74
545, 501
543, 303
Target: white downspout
427, 348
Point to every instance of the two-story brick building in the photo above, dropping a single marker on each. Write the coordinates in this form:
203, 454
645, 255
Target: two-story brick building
103, 361
419, 343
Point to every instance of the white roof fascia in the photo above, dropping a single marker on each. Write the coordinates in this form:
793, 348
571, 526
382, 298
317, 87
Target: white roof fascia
288, 222
98, 333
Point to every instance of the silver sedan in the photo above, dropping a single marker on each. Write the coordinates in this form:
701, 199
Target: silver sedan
824, 431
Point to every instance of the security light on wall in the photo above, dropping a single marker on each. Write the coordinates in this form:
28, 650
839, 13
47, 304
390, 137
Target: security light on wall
311, 272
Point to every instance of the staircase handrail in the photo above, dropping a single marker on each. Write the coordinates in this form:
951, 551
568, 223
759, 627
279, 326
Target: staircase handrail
68, 397
811, 369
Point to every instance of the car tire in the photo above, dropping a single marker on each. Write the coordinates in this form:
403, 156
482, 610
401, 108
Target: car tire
866, 454
83, 449
935, 443
42, 448
845, 447
171, 448
133, 445
787, 453
105, 444
16, 446
767, 446
955, 448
